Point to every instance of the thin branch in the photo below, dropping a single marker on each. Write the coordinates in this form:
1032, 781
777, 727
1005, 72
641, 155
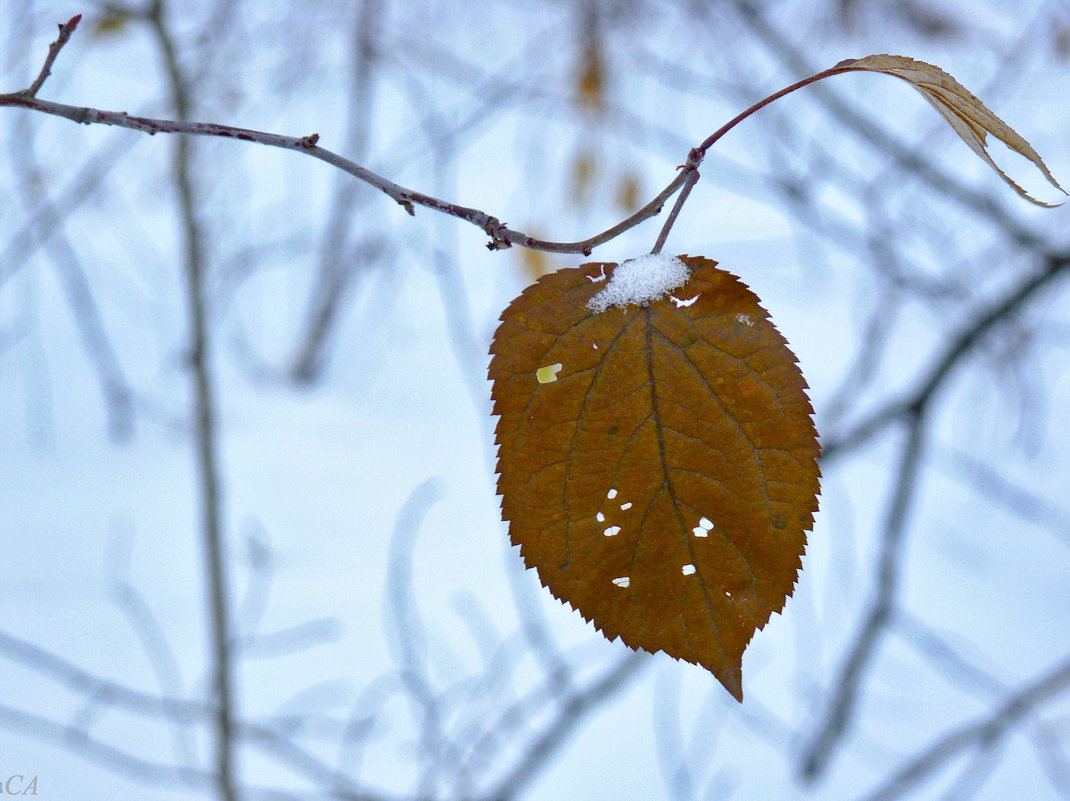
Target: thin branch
959, 671
334, 276
848, 685
554, 736
44, 222
142, 770
208, 471
961, 346
983, 733
406, 627
103, 754
265, 738
501, 235
997, 489
118, 396
162, 659
65, 31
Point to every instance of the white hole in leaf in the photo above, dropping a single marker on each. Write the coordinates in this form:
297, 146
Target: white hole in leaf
624, 507
679, 303
611, 531
600, 277
611, 494
601, 518
745, 319
705, 523
698, 531
687, 570
623, 581
548, 374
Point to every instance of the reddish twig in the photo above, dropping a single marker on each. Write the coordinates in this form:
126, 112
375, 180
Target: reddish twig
65, 31
691, 176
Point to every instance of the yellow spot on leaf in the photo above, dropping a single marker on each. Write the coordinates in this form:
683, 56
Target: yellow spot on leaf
548, 374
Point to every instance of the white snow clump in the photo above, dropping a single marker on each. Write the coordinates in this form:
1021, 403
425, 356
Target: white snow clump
639, 281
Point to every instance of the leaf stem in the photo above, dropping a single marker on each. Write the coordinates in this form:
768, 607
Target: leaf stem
691, 176
697, 154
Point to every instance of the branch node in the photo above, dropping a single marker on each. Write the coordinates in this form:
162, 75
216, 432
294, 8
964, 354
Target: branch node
495, 229
309, 142
406, 203
694, 158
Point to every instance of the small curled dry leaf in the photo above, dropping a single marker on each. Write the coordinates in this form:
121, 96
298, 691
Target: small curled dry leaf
657, 462
967, 115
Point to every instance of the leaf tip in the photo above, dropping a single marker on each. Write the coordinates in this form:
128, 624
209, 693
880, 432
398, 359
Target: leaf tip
731, 679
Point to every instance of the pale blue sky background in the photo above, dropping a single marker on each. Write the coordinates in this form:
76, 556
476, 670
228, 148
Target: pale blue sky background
94, 533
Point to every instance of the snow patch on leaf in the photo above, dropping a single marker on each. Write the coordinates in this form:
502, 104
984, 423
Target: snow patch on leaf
639, 281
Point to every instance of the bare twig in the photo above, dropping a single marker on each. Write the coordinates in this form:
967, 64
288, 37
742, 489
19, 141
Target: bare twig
1019, 500
65, 31
501, 235
162, 658
959, 670
984, 733
118, 397
689, 172
553, 737
267, 739
334, 273
44, 221
848, 684
205, 412
405, 625
953, 355
101, 753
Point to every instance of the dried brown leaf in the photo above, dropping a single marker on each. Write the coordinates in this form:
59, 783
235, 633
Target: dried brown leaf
657, 463
584, 172
627, 194
534, 263
967, 115
591, 79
